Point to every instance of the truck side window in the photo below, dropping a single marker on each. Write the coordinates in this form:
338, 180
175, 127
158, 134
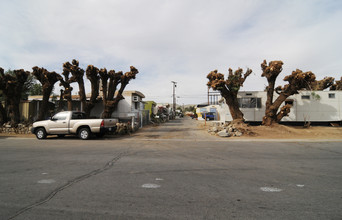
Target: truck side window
74, 115
77, 115
60, 116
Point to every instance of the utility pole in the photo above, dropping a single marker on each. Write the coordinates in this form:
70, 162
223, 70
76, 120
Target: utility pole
208, 95
174, 97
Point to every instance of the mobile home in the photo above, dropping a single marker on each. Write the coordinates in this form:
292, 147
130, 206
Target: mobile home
314, 106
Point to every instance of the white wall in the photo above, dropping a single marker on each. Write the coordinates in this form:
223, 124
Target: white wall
314, 109
125, 109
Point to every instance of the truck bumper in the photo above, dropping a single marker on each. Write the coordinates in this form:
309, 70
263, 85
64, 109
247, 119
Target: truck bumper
107, 130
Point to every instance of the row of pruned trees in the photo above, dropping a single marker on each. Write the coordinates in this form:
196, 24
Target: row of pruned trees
12, 85
298, 80
113, 85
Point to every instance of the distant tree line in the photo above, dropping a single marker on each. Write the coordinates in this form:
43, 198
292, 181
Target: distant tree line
298, 80
18, 84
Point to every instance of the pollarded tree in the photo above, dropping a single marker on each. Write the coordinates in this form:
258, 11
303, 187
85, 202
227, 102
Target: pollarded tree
337, 85
229, 89
271, 72
77, 75
296, 81
3, 114
321, 85
92, 74
110, 82
12, 86
65, 82
48, 80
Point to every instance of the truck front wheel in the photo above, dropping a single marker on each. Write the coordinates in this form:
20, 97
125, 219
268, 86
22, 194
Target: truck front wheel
84, 133
41, 133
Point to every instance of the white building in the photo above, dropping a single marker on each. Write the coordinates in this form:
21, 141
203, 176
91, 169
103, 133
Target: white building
131, 106
314, 106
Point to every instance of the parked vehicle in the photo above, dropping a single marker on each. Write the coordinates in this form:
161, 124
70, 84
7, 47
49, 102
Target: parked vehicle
73, 122
209, 116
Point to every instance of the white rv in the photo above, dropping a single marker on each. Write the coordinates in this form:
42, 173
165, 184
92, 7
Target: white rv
313, 106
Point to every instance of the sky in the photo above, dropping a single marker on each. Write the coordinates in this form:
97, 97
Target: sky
174, 40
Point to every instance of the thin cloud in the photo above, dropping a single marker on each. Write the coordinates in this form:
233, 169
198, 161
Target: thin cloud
173, 40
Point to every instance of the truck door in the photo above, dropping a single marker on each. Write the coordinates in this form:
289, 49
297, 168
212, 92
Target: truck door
59, 123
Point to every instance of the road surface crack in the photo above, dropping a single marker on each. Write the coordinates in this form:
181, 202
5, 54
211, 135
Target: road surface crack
107, 166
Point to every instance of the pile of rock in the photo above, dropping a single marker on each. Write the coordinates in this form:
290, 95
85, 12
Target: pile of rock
123, 128
7, 128
225, 129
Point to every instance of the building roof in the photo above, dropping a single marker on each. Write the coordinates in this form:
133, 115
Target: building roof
133, 92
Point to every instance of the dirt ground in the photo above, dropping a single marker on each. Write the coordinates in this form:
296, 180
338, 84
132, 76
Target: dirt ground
289, 132
260, 132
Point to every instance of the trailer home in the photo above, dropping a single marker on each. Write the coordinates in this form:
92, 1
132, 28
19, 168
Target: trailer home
313, 106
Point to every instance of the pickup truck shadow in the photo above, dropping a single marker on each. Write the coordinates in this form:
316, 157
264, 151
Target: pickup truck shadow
65, 137
75, 137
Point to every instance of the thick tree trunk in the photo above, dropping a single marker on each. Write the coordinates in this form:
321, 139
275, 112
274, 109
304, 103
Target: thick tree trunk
68, 97
271, 114
69, 105
233, 104
91, 103
109, 108
44, 108
82, 94
92, 74
61, 102
3, 114
88, 107
110, 105
270, 93
14, 113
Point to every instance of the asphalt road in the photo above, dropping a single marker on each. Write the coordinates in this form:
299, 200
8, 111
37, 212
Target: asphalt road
174, 171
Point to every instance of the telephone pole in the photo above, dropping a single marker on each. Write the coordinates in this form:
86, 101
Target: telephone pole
174, 97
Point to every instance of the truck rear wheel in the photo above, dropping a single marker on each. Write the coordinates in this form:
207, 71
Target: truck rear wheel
40, 133
84, 133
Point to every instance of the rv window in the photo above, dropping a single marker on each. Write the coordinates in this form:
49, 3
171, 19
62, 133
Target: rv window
249, 102
258, 102
305, 97
331, 95
289, 102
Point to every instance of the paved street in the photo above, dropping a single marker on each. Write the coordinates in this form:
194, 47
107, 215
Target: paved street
173, 171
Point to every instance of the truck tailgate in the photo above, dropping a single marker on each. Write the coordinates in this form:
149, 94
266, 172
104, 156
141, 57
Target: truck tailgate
110, 122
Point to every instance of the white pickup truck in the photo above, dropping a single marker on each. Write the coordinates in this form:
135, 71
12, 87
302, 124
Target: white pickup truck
73, 122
